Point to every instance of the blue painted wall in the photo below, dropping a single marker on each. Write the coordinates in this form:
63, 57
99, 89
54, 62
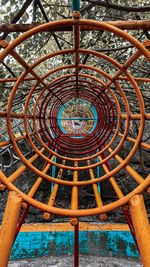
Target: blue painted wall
97, 243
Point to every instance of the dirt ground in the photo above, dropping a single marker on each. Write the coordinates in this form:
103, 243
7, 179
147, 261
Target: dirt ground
67, 261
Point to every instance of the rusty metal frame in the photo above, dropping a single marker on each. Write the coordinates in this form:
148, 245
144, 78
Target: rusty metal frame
99, 88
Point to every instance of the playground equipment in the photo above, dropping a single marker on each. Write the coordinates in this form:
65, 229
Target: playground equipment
71, 118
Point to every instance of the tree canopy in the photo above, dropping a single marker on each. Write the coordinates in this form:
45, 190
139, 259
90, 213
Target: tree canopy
37, 11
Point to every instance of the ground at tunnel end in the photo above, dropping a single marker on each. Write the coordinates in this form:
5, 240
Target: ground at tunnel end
67, 261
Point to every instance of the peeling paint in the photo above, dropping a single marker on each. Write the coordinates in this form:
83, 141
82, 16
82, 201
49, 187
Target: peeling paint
57, 243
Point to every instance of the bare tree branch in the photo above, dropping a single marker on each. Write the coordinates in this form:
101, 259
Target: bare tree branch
47, 20
124, 25
18, 16
109, 4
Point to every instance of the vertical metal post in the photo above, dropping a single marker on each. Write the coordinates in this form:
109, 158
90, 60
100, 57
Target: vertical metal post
127, 215
53, 172
75, 5
98, 174
21, 221
141, 226
76, 30
8, 228
74, 221
76, 245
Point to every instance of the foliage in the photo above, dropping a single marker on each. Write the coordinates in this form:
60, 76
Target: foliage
43, 43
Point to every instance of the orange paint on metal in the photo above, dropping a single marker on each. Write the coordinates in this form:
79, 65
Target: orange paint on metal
65, 227
141, 226
8, 228
53, 195
74, 196
122, 70
97, 195
112, 181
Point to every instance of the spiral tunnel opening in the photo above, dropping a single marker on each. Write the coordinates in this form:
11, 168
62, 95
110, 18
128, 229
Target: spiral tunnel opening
74, 118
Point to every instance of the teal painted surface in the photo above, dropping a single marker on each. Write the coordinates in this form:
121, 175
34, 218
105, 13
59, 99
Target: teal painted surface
61, 110
59, 118
97, 243
76, 119
75, 5
53, 172
98, 174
